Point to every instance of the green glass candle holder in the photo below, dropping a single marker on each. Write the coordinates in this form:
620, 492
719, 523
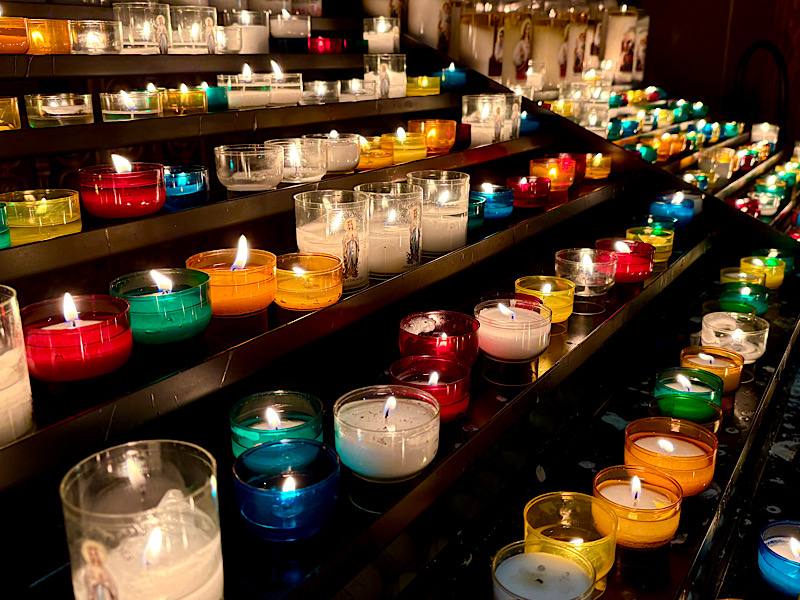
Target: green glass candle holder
162, 317
689, 408
694, 383
296, 416
5, 236
755, 295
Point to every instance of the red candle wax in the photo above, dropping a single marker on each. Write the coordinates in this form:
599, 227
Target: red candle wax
529, 192
440, 333
99, 342
108, 194
449, 385
633, 266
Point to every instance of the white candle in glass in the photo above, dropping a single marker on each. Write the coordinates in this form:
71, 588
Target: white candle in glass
646, 499
669, 446
514, 335
787, 547
16, 402
444, 231
385, 39
285, 25
706, 360
389, 245
540, 576
328, 238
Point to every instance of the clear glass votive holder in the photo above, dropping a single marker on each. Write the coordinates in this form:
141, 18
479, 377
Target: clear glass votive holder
354, 90
520, 571
772, 268
246, 91
485, 114
96, 37
194, 29
249, 167
287, 490
767, 203
445, 203
446, 380
229, 40
388, 73
344, 150
49, 36
184, 101
36, 215
146, 27
59, 109
374, 155
16, 403
304, 159
498, 200
297, 415
740, 275
422, 86
688, 408
248, 30
530, 192
336, 222
513, 330
777, 562
308, 281
288, 26
382, 35
744, 334
690, 382
593, 273
660, 239
445, 334
320, 92
756, 296
475, 216
582, 523
130, 106
635, 260
14, 35
112, 195
237, 291
9, 113
440, 134
187, 186
395, 227
142, 516
386, 433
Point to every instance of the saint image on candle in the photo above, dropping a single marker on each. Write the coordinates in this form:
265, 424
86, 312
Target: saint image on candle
350, 249
415, 241
98, 581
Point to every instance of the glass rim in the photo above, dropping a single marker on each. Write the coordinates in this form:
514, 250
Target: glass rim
762, 541
121, 304
609, 257
389, 55
67, 196
347, 138
700, 434
93, 22
394, 190
139, 4
760, 322
187, 8
636, 247
133, 93
644, 471
337, 197
203, 280
698, 374
64, 95
755, 288
544, 311
274, 444
438, 177
170, 169
265, 254
725, 352
105, 171
338, 259
304, 141
749, 260
411, 393
446, 314
594, 501
570, 285
406, 361
246, 149
7, 295
651, 231
291, 17
314, 400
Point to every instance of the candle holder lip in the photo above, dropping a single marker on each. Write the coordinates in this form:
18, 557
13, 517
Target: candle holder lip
770, 262
657, 220
666, 425
52, 196
133, 94
763, 538
521, 301
399, 190
54, 307
756, 325
755, 288
652, 231
574, 256
384, 391
742, 274
596, 503
469, 324
440, 177
715, 351
336, 262
123, 285
409, 138
140, 171
318, 199
565, 286
404, 368
636, 247
236, 413
342, 138
646, 475
496, 189
704, 377
248, 149
221, 261
677, 402
178, 169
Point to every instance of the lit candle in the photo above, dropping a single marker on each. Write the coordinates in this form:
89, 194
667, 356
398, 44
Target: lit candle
499, 200
285, 25
723, 363
598, 166
779, 556
453, 78
772, 268
406, 147
285, 89
696, 382
133, 106
308, 281
441, 333
742, 333
422, 86
246, 90
183, 101
635, 260
16, 402
123, 190
446, 380
382, 35
513, 330
344, 150
440, 134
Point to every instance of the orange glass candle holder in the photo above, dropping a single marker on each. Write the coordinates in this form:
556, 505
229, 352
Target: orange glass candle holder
560, 172
14, 35
49, 36
238, 291
374, 155
724, 363
685, 451
647, 504
9, 114
440, 134
598, 166
308, 281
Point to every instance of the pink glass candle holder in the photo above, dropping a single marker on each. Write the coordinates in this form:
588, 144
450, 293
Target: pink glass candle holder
440, 333
635, 260
446, 380
108, 194
93, 341
529, 192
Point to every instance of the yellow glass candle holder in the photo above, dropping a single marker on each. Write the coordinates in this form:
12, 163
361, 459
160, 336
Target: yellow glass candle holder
724, 363
557, 293
741, 275
184, 101
36, 215
598, 166
423, 86
49, 36
685, 451
660, 239
308, 281
560, 172
647, 504
773, 269
9, 114
237, 291
14, 35
406, 147
373, 155
440, 134
562, 107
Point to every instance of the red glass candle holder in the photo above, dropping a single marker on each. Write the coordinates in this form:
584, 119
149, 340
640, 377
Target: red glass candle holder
99, 342
580, 165
108, 194
529, 192
747, 205
325, 45
451, 386
440, 333
634, 266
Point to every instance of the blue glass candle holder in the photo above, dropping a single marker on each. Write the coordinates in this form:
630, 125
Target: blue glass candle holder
682, 211
452, 78
475, 212
299, 417
5, 234
287, 490
162, 317
776, 561
730, 130
630, 127
217, 98
657, 222
786, 256
682, 112
499, 201
755, 295
688, 382
187, 186
787, 177
528, 125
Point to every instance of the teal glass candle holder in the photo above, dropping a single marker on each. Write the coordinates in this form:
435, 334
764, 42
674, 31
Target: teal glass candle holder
682, 210
296, 416
648, 153
730, 129
287, 490
688, 408
475, 212
615, 100
692, 383
777, 562
755, 295
187, 187
787, 177
614, 129
682, 112
786, 256
5, 234
699, 110
217, 98
499, 201
630, 127
163, 317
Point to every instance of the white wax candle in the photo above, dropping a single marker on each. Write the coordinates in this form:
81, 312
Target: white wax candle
248, 98
697, 388
540, 576
521, 339
343, 157
16, 403
76, 324
717, 362
285, 424
649, 499
782, 546
443, 232
481, 134
389, 249
281, 27
288, 95
255, 39
315, 237
382, 43
669, 446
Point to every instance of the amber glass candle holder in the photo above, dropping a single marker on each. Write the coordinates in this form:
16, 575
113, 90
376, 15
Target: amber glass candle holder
406, 147
598, 166
9, 113
560, 171
440, 134
237, 291
13, 35
648, 514
741, 275
36, 215
660, 239
184, 101
725, 364
308, 281
49, 36
374, 155
681, 449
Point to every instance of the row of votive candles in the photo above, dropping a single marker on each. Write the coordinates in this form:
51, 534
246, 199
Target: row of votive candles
771, 191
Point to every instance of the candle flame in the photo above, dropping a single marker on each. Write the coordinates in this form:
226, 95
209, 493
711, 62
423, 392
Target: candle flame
388, 408
485, 111
333, 134
392, 218
204, 86
576, 541
707, 357
624, 8
364, 143
487, 188
636, 489
285, 14
620, 246
434, 378
547, 288
677, 198
272, 418
299, 271
126, 100
552, 13
294, 157
666, 446
552, 174
771, 180
432, 134
184, 89
146, 30
701, 124
586, 263
746, 291
794, 546
523, 114
685, 383
320, 88
289, 484
242, 254
738, 336
151, 87
758, 262
247, 72
506, 311
276, 70
70, 311
452, 67
401, 133
153, 547
773, 254
121, 164
444, 198
164, 284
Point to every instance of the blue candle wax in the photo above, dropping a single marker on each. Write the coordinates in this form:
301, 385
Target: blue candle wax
682, 210
287, 490
499, 200
755, 295
452, 78
187, 186
778, 564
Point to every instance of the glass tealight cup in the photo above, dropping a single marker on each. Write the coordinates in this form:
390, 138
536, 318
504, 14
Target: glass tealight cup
446, 380
593, 273
445, 197
304, 159
56, 110
741, 275
742, 333
96, 37
308, 281
660, 239
249, 167
779, 568
696, 410
557, 293
36, 215
441, 333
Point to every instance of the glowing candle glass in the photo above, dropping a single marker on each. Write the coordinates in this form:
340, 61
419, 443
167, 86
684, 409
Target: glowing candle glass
109, 193
557, 293
779, 556
453, 78
96, 37
529, 192
388, 73
689, 382
250, 28
146, 27
592, 272
513, 330
9, 113
446, 380
304, 159
647, 503
133, 106
49, 36
386, 433
406, 147
423, 86
560, 171
290, 33
499, 201
740, 275
744, 334
772, 268
13, 35
59, 109
184, 101
485, 114
445, 196
168, 307
373, 156
69, 343
660, 239
582, 523
786, 256
187, 186
320, 92
16, 401
579, 161
725, 364
247, 90
36, 215
249, 167
756, 296
194, 29
308, 281
344, 150
355, 90
598, 166
273, 416
440, 134
681, 210
442, 333
635, 260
